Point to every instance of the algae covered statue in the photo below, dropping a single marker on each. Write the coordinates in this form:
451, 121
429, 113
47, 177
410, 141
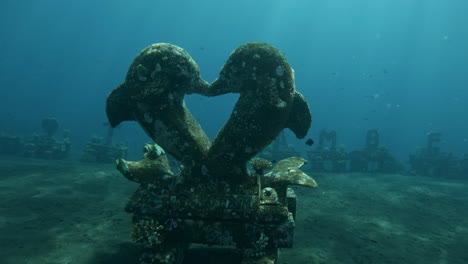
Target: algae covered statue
213, 200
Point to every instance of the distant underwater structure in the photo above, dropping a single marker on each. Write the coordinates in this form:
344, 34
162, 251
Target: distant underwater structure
10, 144
332, 158
374, 157
46, 145
433, 162
214, 200
100, 149
328, 157
280, 149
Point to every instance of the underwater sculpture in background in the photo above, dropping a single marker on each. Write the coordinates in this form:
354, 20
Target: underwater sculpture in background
10, 144
214, 200
431, 161
281, 149
374, 157
328, 157
99, 149
46, 145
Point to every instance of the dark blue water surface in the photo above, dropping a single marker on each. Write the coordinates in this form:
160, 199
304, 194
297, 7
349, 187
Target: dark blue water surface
400, 66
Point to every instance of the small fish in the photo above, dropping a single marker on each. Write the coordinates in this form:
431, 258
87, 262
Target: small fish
273, 161
309, 142
385, 71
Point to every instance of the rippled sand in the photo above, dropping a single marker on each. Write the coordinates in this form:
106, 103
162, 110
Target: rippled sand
69, 212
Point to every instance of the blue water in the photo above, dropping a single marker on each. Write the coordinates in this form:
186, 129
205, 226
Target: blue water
396, 65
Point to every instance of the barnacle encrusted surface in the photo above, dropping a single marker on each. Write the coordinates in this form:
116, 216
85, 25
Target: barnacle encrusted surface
268, 103
160, 76
287, 172
259, 165
153, 95
154, 168
213, 200
147, 232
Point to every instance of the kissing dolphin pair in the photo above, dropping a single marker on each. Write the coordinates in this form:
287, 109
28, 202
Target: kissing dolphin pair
162, 74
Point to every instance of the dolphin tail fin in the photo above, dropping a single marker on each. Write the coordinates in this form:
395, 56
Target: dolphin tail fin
118, 108
300, 117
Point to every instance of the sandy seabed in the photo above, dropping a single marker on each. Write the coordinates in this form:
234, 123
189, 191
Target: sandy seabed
69, 212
